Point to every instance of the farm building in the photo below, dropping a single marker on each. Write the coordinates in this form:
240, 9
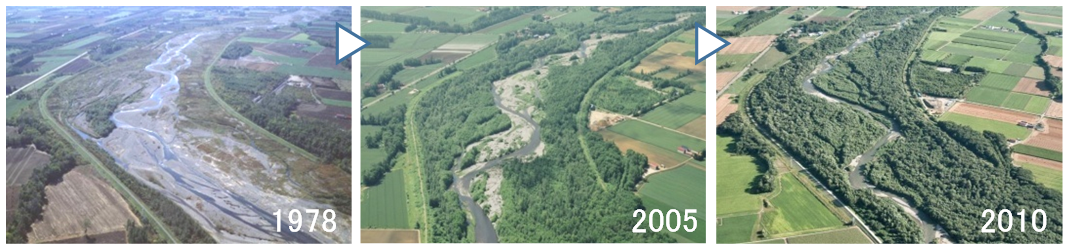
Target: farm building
684, 150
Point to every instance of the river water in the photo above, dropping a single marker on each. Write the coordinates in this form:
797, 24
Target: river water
857, 180
149, 144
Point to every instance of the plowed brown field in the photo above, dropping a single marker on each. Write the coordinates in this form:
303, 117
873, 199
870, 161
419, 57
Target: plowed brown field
724, 108
1037, 161
1003, 115
1050, 138
748, 44
1029, 85
724, 78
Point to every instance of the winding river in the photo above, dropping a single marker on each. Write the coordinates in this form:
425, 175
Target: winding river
484, 230
857, 180
147, 138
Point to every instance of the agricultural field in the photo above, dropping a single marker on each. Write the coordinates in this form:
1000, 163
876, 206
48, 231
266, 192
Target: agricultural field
82, 204
1010, 130
1050, 177
680, 112
21, 162
734, 173
851, 235
380, 203
797, 209
654, 153
678, 188
389, 236
659, 137
735, 229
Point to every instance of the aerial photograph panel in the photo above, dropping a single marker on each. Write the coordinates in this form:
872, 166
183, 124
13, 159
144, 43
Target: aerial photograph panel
553, 124
869, 124
177, 125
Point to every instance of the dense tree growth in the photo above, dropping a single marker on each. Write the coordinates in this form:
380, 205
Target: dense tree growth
946, 171
249, 92
1052, 81
927, 80
390, 139
751, 19
447, 119
237, 50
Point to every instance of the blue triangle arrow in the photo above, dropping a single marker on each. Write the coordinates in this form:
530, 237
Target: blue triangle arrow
337, 43
696, 36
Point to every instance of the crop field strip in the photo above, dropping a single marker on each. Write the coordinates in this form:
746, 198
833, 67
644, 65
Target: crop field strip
679, 112
796, 209
1038, 152
733, 175
1010, 130
1051, 178
678, 188
380, 204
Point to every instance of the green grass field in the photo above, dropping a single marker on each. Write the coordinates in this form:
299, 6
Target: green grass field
835, 12
739, 61
679, 112
680, 188
770, 59
448, 14
851, 235
797, 209
656, 136
981, 124
1046, 176
334, 102
411, 74
507, 26
384, 206
957, 59
991, 35
84, 41
1037, 105
1016, 101
281, 58
737, 229
1039, 152
972, 50
991, 65
999, 81
1018, 69
985, 43
773, 26
480, 57
986, 95
580, 15
733, 175
368, 156
382, 27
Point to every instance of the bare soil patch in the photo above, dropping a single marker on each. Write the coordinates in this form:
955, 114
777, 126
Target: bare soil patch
992, 113
1055, 110
748, 44
75, 66
1032, 86
1037, 161
389, 236
1049, 138
327, 113
80, 204
333, 94
676, 48
601, 119
724, 108
695, 127
446, 56
1053, 60
724, 78
734, 8
655, 154
1043, 23
21, 162
982, 13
